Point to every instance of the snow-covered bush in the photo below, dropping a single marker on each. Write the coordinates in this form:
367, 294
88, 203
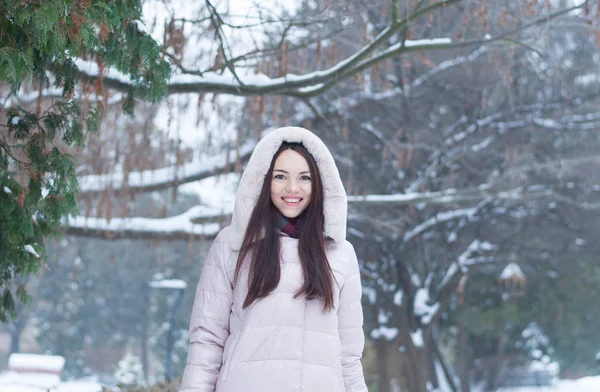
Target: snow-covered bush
129, 371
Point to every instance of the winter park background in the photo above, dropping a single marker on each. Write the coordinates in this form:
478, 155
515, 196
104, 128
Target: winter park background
467, 134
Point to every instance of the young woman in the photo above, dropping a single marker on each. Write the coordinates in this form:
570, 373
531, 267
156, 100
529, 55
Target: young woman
278, 305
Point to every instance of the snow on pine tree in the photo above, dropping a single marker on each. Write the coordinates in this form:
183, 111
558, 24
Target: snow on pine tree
48, 107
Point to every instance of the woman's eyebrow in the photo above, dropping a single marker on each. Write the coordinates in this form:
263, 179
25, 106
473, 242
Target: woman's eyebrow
283, 171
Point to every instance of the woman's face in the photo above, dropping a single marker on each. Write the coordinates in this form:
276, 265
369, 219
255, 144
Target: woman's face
291, 184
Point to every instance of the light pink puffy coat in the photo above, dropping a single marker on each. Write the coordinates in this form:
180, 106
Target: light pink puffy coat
279, 343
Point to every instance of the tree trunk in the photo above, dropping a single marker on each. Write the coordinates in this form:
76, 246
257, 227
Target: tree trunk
463, 357
415, 368
430, 361
417, 376
493, 380
15, 340
144, 337
15, 334
436, 353
383, 372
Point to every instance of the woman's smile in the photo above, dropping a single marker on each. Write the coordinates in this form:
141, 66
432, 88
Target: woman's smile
292, 201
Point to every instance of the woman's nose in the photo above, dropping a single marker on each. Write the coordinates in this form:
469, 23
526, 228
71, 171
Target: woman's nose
292, 186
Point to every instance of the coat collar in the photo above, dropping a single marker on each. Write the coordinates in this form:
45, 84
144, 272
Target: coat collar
335, 203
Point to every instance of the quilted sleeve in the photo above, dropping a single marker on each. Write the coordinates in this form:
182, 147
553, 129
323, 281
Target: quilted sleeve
350, 321
209, 324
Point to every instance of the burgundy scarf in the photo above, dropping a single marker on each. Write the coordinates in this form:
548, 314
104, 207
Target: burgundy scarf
289, 226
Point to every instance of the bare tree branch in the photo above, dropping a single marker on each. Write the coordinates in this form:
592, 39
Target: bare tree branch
453, 196
164, 178
318, 82
290, 85
418, 46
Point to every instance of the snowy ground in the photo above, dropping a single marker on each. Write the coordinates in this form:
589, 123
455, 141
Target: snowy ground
587, 384
74, 386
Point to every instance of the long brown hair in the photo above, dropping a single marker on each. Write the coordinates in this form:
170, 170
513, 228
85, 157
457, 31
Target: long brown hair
262, 241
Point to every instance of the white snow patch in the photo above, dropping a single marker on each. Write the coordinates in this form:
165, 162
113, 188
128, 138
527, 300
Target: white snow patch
417, 338
30, 249
398, 297
129, 371
511, 270
483, 144
452, 237
371, 294
384, 332
441, 376
168, 284
415, 279
422, 308
78, 386
588, 78
35, 362
28, 382
585, 384
7, 190
382, 317
422, 42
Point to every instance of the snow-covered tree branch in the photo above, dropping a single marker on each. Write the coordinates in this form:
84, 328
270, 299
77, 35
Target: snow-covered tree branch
317, 82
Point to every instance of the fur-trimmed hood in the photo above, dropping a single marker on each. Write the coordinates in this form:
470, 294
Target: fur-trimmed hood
335, 203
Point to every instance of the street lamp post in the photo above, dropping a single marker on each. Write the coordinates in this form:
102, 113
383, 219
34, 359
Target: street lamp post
178, 286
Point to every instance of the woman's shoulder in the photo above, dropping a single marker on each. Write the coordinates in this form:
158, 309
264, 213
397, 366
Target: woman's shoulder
342, 256
224, 235
225, 241
342, 248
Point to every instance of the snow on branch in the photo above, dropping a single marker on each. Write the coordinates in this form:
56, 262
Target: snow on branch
306, 85
164, 178
423, 306
310, 84
181, 226
190, 223
447, 65
451, 196
568, 123
419, 45
356, 99
438, 218
464, 260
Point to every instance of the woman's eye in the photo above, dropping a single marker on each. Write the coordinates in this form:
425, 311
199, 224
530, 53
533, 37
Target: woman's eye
278, 177
305, 178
